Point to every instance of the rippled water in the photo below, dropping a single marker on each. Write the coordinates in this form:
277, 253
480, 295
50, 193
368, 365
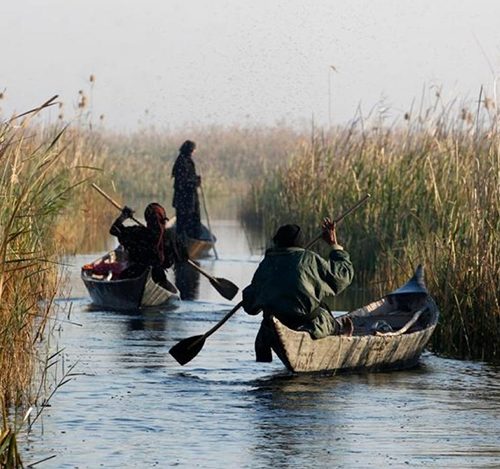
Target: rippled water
132, 405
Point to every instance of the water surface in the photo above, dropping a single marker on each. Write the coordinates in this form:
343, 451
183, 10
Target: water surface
132, 405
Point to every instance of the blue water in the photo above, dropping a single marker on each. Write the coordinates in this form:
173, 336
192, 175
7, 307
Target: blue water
131, 405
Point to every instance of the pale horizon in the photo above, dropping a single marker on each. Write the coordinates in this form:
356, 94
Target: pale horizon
178, 63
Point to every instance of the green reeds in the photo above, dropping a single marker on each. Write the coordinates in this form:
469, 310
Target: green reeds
9, 454
10, 457
436, 200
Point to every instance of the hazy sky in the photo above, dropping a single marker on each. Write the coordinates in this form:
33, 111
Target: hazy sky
247, 62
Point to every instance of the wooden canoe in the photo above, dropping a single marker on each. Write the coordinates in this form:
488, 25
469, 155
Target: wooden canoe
389, 334
125, 294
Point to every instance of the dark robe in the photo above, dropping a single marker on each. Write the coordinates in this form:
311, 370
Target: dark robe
186, 202
141, 244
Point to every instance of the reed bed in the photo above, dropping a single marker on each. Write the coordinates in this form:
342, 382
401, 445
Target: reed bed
41, 168
435, 185
140, 164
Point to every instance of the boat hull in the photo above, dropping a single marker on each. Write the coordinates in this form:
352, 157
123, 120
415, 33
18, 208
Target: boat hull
387, 334
300, 353
126, 294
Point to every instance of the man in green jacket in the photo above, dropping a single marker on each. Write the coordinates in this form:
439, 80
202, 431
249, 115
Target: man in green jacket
294, 285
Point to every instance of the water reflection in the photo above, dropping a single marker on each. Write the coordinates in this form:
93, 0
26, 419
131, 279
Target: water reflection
151, 320
278, 415
378, 420
137, 339
187, 280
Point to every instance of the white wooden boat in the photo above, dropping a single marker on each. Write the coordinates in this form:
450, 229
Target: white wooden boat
388, 334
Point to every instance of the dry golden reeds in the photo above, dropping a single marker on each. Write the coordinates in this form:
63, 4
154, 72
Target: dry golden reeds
40, 168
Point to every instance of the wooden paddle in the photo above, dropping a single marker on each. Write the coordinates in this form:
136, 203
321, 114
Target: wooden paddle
185, 350
225, 287
208, 219
338, 219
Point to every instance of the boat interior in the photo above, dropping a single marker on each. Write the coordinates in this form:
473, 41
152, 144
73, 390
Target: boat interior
108, 267
395, 315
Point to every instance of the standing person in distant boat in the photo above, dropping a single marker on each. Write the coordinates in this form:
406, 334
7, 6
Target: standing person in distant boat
186, 202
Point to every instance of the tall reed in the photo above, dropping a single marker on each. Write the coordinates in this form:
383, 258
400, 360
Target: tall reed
435, 183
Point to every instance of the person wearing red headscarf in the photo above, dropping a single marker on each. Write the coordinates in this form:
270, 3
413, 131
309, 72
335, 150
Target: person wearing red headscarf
150, 245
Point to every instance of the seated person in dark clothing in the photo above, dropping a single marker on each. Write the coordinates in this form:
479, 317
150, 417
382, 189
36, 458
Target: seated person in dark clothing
150, 245
294, 284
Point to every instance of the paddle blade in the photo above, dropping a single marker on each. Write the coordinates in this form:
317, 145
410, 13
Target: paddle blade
185, 350
225, 287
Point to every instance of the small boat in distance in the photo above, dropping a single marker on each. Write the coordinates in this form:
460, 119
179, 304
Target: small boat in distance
201, 247
108, 290
197, 248
388, 334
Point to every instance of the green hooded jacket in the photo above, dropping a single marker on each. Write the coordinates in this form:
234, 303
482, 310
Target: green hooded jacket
291, 283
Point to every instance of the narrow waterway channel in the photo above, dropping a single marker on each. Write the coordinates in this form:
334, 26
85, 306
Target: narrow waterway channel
132, 405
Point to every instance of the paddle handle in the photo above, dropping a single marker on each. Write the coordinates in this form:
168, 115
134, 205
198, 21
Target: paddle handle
195, 266
223, 320
208, 219
341, 217
113, 202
